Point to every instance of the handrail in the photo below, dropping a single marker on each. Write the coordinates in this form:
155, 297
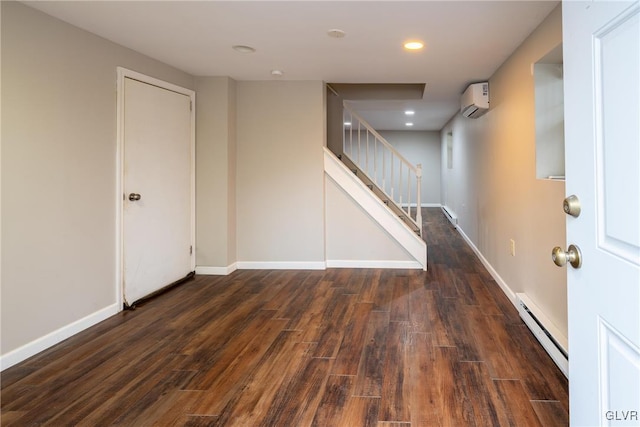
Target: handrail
380, 137
389, 170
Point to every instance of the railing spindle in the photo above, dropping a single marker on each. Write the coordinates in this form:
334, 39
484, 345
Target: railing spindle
390, 178
384, 170
409, 192
393, 184
419, 196
375, 159
400, 185
367, 153
359, 149
351, 134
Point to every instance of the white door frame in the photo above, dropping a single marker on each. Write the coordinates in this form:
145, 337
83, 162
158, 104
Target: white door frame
122, 74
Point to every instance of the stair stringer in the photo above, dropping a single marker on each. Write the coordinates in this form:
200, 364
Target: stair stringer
404, 216
377, 210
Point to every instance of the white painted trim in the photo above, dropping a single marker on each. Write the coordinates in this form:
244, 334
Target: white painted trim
123, 73
36, 346
373, 264
216, 271
281, 265
424, 205
503, 285
546, 322
546, 343
539, 333
397, 229
450, 214
119, 273
301, 265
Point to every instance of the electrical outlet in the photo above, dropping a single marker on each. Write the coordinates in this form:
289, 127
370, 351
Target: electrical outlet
512, 247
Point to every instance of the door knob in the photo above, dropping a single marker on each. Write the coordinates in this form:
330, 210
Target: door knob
134, 196
571, 206
573, 256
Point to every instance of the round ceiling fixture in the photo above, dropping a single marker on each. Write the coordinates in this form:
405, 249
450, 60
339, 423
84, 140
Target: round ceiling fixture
243, 49
336, 33
413, 45
277, 73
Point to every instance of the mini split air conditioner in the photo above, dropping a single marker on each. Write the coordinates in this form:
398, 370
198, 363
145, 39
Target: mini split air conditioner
475, 100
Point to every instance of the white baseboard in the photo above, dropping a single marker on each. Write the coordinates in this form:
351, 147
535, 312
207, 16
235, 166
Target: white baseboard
296, 265
503, 285
424, 205
34, 347
557, 356
216, 271
555, 343
451, 216
281, 265
373, 264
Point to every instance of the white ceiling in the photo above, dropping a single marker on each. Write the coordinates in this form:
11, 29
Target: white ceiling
465, 42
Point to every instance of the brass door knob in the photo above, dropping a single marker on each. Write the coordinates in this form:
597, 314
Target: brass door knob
572, 256
571, 206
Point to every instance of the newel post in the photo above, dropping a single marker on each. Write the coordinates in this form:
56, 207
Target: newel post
418, 196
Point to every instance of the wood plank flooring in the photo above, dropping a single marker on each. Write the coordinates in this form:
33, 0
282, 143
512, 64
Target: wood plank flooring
341, 347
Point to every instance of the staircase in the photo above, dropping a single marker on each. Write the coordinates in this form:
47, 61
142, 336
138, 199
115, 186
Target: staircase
397, 233
382, 169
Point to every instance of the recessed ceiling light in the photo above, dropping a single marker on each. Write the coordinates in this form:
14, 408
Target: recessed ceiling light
336, 33
409, 112
277, 73
243, 49
413, 45
408, 124
347, 123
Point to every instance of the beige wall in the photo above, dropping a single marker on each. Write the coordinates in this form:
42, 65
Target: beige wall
279, 183
215, 172
260, 191
420, 147
59, 171
493, 187
353, 235
335, 122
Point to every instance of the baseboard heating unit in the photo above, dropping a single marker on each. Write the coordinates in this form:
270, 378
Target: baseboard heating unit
451, 216
548, 335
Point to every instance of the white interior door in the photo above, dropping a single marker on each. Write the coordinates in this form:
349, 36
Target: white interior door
602, 129
157, 184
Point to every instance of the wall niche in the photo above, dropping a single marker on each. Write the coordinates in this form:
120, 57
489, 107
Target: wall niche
549, 111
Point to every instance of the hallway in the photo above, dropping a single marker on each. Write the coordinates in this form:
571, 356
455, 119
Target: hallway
340, 347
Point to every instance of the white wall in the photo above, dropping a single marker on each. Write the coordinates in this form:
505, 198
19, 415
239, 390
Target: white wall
493, 187
215, 174
59, 172
420, 147
280, 205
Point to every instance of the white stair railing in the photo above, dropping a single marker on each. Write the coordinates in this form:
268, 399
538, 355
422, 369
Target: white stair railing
396, 177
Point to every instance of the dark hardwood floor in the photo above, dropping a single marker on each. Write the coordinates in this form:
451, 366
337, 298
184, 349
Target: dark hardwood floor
341, 347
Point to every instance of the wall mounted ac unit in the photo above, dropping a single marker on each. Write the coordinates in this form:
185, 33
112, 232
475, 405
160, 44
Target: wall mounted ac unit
475, 100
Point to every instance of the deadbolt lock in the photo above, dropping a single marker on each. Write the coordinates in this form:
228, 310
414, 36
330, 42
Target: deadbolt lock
572, 256
134, 197
571, 206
